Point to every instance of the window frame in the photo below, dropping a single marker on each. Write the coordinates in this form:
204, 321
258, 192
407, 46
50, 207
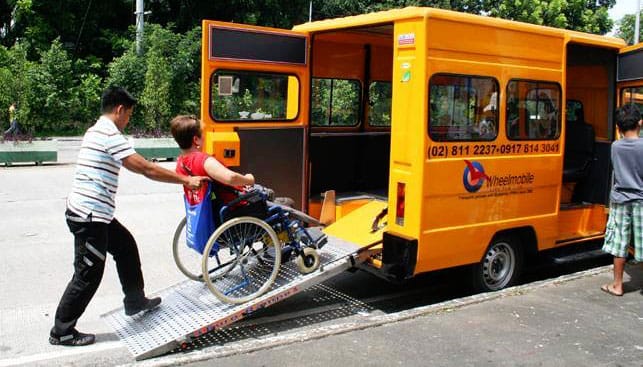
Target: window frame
497, 117
559, 125
246, 121
360, 108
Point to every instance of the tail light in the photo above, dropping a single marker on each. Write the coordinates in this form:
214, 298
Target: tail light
399, 209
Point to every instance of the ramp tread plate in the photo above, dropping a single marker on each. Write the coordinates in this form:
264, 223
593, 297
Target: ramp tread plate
189, 309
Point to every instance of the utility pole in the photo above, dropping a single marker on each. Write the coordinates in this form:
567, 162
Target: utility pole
637, 23
140, 16
310, 11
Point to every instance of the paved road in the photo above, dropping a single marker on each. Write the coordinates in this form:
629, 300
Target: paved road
37, 254
359, 319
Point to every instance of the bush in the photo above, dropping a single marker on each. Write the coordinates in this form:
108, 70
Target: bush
59, 95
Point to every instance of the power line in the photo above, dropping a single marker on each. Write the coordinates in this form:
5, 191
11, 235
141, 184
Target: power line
80, 32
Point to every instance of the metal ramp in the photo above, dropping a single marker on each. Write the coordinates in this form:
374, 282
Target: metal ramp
189, 310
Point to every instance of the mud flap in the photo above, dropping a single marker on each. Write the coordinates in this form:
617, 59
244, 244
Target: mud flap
399, 257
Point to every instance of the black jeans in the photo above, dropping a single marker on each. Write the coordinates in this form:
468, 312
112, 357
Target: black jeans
92, 240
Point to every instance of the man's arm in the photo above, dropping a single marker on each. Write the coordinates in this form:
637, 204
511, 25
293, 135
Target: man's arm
137, 164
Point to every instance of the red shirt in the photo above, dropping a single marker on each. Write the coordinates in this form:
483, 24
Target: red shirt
195, 164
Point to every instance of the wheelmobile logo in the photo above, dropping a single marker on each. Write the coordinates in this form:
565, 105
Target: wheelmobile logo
474, 178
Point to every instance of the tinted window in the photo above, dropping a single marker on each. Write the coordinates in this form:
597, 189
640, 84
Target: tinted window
335, 102
463, 108
533, 110
248, 95
379, 104
574, 111
633, 95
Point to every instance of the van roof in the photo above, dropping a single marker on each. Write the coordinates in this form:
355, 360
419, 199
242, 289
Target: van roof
390, 16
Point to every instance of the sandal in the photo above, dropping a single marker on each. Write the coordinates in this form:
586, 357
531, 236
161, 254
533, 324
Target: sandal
607, 288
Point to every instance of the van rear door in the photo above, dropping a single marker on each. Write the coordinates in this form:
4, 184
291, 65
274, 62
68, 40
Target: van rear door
254, 81
629, 76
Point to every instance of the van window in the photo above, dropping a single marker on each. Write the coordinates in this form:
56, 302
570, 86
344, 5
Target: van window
633, 95
250, 95
574, 111
335, 102
533, 110
379, 104
463, 108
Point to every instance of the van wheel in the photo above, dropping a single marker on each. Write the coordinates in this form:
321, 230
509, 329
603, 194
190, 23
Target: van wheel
500, 266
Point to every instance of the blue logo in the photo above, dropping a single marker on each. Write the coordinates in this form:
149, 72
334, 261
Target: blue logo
474, 176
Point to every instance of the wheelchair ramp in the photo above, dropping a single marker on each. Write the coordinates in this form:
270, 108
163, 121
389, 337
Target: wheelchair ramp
189, 310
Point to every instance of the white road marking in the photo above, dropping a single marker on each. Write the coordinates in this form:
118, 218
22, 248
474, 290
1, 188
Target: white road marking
62, 353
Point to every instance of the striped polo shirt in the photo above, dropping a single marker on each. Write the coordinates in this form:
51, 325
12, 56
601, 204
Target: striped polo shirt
96, 178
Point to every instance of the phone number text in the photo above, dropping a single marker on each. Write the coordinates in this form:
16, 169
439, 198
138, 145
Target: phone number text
462, 150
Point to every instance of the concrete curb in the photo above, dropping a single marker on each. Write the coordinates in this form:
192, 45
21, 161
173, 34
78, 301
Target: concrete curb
365, 323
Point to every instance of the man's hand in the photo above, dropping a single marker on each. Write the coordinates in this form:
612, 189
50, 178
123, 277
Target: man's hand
194, 182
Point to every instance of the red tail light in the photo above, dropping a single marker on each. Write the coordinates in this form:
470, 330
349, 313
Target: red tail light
399, 209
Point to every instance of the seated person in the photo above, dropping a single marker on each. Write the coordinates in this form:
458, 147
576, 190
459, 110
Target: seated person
186, 130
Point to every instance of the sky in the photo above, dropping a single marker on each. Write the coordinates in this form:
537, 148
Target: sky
622, 7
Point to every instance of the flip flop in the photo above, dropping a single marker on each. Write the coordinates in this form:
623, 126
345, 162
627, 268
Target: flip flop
607, 289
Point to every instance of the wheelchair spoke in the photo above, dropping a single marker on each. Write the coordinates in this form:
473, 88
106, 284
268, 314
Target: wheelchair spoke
246, 268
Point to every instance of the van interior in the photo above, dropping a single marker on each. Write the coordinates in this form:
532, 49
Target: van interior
589, 126
351, 95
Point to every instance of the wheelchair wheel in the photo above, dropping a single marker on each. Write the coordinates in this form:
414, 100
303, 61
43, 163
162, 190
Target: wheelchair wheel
308, 261
187, 259
244, 261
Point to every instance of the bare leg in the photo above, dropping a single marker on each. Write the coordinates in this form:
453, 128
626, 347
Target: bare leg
616, 287
619, 268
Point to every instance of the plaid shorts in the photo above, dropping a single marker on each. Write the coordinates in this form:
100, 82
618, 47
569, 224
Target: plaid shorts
625, 227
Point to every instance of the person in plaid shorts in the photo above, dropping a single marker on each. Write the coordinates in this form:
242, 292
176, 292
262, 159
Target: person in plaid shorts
625, 224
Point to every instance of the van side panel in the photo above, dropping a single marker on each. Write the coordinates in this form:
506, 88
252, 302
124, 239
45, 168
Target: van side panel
522, 185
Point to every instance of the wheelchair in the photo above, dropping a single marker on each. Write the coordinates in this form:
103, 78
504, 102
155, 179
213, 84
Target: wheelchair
242, 257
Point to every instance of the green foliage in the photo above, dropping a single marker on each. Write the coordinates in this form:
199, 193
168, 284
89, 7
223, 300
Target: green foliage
56, 57
380, 98
155, 99
626, 28
52, 83
335, 102
580, 15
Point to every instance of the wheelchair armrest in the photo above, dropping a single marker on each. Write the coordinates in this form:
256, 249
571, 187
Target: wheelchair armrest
242, 197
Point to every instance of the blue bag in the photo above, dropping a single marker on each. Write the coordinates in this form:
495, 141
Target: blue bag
199, 222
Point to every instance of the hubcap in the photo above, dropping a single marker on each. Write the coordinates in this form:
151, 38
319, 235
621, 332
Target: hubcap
498, 266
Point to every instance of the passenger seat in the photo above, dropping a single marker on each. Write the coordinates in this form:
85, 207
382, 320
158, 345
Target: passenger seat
579, 145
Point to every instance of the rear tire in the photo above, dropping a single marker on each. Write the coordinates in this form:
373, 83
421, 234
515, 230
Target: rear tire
500, 266
187, 260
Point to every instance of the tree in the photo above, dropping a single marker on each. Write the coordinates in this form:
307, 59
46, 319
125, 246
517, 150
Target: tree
85, 28
626, 28
156, 96
15, 82
580, 15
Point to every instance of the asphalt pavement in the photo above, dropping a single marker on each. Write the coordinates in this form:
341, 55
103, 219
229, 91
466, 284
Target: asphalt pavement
564, 321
